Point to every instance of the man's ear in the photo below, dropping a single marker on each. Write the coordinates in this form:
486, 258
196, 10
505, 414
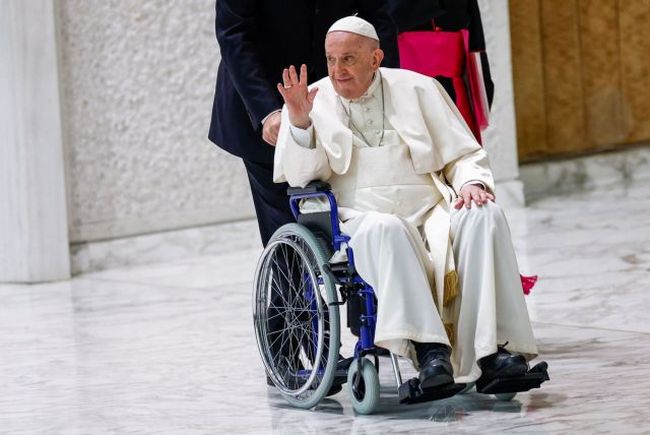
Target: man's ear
377, 57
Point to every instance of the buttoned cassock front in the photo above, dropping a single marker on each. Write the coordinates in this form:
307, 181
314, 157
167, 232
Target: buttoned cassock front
406, 183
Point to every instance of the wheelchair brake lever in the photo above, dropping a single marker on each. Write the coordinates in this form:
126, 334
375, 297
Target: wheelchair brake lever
328, 271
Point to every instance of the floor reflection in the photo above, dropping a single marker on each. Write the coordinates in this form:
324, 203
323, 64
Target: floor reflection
170, 347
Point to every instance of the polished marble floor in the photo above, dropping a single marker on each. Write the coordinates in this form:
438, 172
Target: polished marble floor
169, 348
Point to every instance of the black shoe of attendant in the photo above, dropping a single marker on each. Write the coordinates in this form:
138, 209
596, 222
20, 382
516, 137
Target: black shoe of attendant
435, 367
501, 364
341, 376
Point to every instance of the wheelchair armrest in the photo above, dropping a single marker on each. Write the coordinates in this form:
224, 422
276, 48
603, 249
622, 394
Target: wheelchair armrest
312, 187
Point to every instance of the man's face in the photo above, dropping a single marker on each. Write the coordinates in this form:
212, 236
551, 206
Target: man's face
351, 62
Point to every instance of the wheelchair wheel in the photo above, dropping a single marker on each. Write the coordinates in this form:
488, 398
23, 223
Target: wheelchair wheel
363, 386
295, 319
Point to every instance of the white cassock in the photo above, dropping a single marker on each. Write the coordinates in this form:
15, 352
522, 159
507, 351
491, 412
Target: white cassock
440, 275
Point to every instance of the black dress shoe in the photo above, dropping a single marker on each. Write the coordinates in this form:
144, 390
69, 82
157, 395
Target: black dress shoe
343, 365
501, 364
435, 367
341, 376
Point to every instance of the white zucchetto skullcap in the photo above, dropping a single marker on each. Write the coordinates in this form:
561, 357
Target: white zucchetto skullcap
356, 25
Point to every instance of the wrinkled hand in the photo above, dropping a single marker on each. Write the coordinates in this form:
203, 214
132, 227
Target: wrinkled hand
271, 127
472, 192
297, 97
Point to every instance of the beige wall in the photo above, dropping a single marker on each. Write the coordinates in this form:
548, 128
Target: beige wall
137, 80
582, 76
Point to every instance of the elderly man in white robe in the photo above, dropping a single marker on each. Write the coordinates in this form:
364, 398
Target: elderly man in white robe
416, 195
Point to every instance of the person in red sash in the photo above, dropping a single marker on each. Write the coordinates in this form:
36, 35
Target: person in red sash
444, 39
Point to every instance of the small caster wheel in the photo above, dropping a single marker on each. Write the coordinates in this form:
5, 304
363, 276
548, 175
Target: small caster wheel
467, 389
505, 397
363, 386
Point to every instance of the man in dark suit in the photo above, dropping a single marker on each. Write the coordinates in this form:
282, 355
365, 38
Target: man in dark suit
258, 39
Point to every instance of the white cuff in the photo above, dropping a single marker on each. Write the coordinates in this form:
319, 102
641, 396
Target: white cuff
267, 116
476, 182
303, 137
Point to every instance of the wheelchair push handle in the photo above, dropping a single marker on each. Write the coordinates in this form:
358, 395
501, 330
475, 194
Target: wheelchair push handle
313, 190
312, 187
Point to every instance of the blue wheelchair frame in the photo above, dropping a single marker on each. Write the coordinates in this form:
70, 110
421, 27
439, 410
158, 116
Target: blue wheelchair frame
365, 345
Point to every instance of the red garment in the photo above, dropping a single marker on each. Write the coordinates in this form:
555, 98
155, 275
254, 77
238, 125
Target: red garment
440, 53
528, 282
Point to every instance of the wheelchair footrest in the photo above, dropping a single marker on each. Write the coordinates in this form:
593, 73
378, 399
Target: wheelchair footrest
411, 393
532, 379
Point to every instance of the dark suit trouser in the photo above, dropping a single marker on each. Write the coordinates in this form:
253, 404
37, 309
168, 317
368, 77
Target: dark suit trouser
273, 211
270, 199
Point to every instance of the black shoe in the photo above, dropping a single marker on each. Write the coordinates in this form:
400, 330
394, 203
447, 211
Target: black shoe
501, 364
435, 367
341, 376
343, 365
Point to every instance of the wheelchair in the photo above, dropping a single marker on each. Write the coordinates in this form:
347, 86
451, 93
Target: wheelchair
298, 294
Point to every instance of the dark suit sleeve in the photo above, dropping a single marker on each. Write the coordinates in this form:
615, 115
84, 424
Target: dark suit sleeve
376, 12
236, 34
475, 27
477, 43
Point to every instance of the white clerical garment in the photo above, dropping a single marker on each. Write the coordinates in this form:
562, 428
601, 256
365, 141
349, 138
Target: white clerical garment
395, 158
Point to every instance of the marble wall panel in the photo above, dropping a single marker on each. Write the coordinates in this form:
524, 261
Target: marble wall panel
563, 76
633, 20
528, 76
601, 69
33, 221
501, 135
138, 81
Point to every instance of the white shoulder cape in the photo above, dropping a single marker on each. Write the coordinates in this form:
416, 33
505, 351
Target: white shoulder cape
416, 106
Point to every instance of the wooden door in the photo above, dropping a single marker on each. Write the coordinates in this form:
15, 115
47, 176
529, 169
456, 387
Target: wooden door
581, 72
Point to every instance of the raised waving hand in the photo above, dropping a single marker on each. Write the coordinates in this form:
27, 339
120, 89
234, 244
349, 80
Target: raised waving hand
297, 97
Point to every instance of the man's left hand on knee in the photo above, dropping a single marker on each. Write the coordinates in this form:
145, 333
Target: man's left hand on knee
473, 192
